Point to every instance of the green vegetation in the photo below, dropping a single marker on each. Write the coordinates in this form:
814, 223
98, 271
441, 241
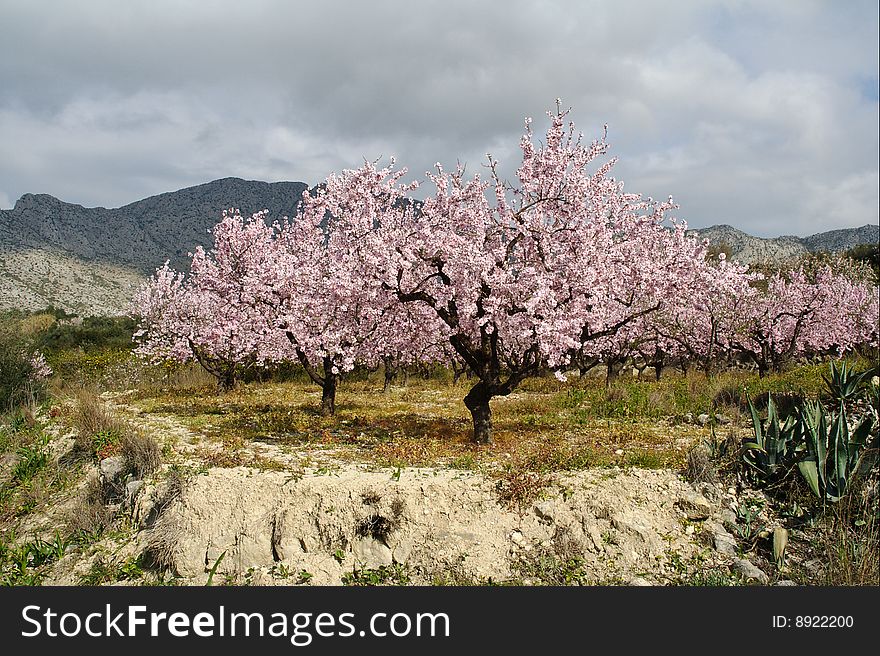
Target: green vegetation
830, 450
807, 436
395, 574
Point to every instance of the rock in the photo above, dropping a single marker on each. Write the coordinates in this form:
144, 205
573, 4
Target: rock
595, 538
785, 583
517, 538
695, 506
112, 468
371, 554
750, 571
545, 511
709, 490
132, 488
703, 419
403, 550
728, 517
725, 543
639, 582
636, 533
722, 419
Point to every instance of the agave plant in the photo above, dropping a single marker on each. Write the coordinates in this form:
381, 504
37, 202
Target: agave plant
835, 454
773, 450
844, 383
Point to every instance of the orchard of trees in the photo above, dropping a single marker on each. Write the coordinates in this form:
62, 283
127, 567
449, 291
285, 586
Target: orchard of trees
560, 270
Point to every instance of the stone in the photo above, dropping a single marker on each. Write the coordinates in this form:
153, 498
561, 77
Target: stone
722, 419
725, 543
403, 550
639, 582
703, 419
112, 468
371, 554
132, 488
750, 571
517, 537
785, 583
596, 538
728, 517
695, 507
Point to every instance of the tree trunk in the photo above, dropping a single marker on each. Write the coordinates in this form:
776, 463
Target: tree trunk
328, 390
477, 401
390, 373
612, 371
227, 379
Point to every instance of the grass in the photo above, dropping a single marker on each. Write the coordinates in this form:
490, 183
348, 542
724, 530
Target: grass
422, 425
25, 563
395, 574
543, 428
849, 540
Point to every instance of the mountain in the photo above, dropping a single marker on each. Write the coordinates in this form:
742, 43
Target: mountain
89, 260
144, 234
752, 250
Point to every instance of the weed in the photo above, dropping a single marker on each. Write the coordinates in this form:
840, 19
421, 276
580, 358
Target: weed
31, 459
395, 574
518, 489
545, 567
103, 571
214, 568
141, 453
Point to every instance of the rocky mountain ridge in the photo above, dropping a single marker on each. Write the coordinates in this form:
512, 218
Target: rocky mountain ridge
89, 260
752, 250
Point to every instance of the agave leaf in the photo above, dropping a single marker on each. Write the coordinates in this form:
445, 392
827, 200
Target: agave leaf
811, 475
756, 425
821, 442
772, 416
780, 541
839, 437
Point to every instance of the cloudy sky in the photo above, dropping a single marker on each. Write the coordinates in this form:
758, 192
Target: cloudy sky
760, 114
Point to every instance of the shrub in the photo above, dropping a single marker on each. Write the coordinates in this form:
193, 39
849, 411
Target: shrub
22, 370
141, 453
97, 428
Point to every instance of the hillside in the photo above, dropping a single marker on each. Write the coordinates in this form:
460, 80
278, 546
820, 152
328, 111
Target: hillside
88, 260
141, 235
751, 250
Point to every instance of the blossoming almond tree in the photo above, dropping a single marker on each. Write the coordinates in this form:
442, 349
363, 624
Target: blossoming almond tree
522, 277
797, 315
213, 315
333, 314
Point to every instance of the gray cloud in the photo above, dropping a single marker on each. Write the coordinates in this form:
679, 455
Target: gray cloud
761, 115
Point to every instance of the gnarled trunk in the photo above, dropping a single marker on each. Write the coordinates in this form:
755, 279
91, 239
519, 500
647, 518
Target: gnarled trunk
612, 371
390, 370
477, 401
328, 390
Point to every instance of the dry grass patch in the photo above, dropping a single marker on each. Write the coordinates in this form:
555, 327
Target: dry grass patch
423, 425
